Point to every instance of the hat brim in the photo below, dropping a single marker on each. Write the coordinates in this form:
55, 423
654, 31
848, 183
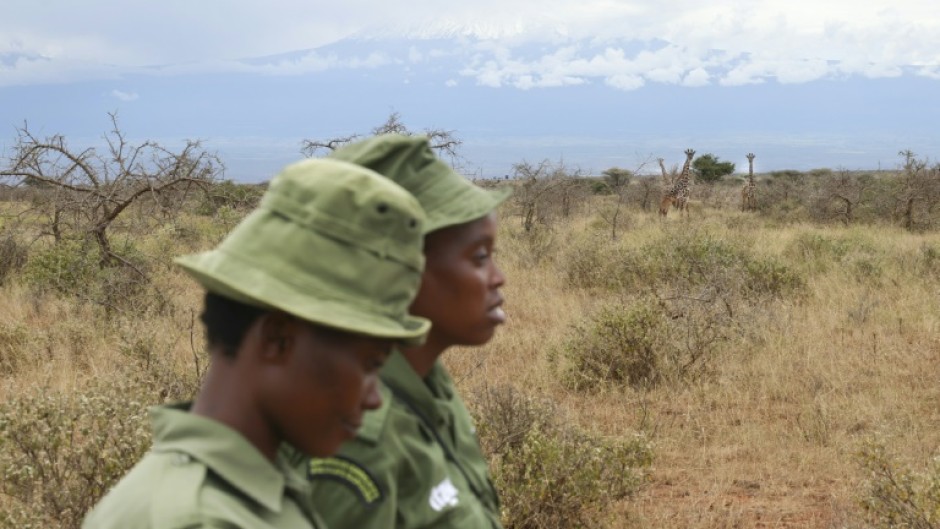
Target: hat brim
470, 204
229, 276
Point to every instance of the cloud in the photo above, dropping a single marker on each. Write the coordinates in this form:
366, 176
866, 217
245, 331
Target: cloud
525, 44
30, 69
931, 72
125, 96
315, 62
696, 77
415, 55
625, 82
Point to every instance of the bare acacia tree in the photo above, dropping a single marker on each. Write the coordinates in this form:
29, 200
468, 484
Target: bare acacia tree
618, 181
84, 192
918, 193
442, 141
546, 190
648, 189
842, 194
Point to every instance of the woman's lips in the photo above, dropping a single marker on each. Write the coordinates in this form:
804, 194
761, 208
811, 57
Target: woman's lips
497, 314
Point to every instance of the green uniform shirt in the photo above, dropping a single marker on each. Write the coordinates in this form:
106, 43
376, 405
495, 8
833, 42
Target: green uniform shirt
201, 473
415, 463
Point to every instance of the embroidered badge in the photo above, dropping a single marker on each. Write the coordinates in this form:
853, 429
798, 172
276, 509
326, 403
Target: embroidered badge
444, 494
349, 473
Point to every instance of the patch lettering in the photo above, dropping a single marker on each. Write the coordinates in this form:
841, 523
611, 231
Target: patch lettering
349, 473
444, 494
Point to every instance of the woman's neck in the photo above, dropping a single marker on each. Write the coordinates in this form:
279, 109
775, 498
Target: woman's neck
221, 399
422, 357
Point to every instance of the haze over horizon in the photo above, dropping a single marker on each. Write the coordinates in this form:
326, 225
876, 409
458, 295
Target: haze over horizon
597, 83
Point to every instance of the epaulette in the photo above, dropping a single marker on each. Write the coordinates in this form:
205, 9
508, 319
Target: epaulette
349, 473
176, 495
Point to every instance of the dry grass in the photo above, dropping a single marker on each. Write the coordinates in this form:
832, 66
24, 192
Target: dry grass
769, 439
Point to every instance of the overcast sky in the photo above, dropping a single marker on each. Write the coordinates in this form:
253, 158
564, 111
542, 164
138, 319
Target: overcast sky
598, 82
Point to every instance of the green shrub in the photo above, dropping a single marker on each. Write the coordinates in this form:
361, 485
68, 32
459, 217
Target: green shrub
588, 262
171, 240
772, 277
600, 188
59, 453
865, 268
534, 246
817, 248
69, 266
551, 474
644, 343
618, 344
928, 261
229, 194
789, 210
73, 268
695, 260
899, 498
13, 256
819, 252
13, 338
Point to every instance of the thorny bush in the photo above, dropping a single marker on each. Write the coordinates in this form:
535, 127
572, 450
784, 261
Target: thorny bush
898, 498
59, 453
13, 256
72, 268
552, 474
644, 342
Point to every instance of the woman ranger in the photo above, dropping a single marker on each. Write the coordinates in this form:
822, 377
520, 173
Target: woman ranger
416, 461
305, 299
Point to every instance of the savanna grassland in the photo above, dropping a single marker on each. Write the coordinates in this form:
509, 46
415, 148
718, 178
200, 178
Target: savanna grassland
714, 369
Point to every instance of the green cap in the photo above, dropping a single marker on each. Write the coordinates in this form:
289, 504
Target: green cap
448, 198
331, 243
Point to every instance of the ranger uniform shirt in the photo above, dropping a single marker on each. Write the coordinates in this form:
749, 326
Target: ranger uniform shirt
201, 473
415, 463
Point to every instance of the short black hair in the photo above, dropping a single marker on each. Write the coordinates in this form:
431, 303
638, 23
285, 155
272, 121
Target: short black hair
227, 321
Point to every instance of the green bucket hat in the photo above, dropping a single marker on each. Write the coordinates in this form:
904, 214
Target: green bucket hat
448, 198
332, 243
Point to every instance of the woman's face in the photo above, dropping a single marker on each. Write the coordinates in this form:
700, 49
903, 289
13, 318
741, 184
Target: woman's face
329, 381
460, 287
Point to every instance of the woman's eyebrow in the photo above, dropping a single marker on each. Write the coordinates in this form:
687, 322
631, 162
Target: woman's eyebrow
483, 239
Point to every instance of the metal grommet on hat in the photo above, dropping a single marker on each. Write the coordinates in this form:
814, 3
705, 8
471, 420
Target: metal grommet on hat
332, 243
447, 197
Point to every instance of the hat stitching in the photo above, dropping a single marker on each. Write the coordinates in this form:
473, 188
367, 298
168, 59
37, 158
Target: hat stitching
346, 232
297, 283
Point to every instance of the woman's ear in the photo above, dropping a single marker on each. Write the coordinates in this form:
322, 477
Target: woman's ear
277, 335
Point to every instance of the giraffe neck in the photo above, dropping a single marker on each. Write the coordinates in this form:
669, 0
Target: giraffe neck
684, 177
682, 183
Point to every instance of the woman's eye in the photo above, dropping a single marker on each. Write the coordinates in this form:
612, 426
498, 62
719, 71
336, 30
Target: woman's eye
481, 253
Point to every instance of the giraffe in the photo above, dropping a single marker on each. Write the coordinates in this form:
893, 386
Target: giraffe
678, 194
667, 182
749, 191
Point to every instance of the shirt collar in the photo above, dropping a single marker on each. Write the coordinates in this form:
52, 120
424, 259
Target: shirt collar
398, 374
225, 452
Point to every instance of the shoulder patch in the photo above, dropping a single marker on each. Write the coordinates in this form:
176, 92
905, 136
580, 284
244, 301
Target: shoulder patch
349, 473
